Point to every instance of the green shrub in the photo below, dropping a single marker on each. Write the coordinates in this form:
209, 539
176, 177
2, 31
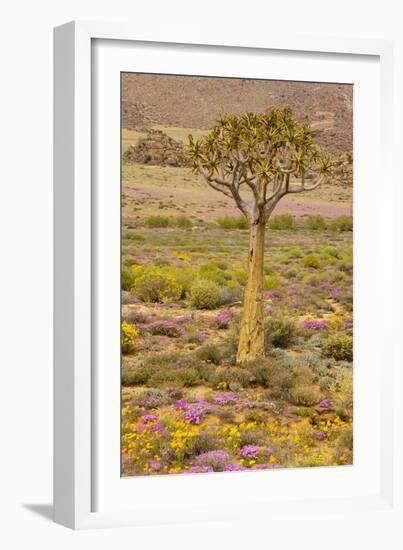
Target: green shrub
134, 236
305, 395
188, 377
210, 354
315, 223
127, 278
233, 222
228, 377
337, 277
295, 253
133, 375
240, 276
282, 222
332, 251
204, 294
211, 272
157, 221
184, 277
314, 279
282, 258
339, 346
291, 273
170, 368
311, 261
305, 412
271, 282
280, 332
254, 415
156, 286
342, 223
182, 222
261, 371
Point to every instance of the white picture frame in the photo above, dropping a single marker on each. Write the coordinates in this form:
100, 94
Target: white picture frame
78, 390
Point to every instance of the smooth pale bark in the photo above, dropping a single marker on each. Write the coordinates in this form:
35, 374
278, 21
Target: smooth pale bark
251, 338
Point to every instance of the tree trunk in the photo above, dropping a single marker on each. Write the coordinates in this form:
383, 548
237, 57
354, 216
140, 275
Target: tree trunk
251, 338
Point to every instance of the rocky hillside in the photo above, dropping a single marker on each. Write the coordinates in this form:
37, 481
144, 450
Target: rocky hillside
195, 102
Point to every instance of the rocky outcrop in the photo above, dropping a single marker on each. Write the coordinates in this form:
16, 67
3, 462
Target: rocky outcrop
157, 148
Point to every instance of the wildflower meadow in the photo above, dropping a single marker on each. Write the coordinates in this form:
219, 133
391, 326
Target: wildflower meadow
189, 404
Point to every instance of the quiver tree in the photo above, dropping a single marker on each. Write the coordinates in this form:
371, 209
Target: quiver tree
256, 159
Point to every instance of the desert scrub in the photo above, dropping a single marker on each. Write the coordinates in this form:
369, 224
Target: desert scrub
280, 331
305, 395
311, 261
271, 282
315, 223
339, 346
204, 294
157, 221
232, 378
183, 276
133, 375
342, 223
214, 354
182, 222
273, 374
163, 328
282, 222
129, 336
156, 286
127, 278
209, 271
136, 316
233, 222
133, 236
343, 397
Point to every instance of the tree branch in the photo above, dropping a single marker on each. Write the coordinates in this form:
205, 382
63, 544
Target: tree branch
218, 188
310, 188
240, 202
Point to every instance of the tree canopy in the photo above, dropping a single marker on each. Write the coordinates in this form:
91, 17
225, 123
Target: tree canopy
271, 154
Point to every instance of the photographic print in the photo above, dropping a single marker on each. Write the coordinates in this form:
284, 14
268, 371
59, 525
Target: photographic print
236, 274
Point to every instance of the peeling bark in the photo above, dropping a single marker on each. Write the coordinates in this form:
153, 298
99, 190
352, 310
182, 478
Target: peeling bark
251, 338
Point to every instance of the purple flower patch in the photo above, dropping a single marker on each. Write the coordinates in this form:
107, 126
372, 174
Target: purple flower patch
250, 451
155, 465
223, 319
181, 404
218, 460
184, 319
314, 324
194, 413
225, 398
325, 404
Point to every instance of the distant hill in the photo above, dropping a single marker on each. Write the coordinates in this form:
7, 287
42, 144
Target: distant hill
195, 102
